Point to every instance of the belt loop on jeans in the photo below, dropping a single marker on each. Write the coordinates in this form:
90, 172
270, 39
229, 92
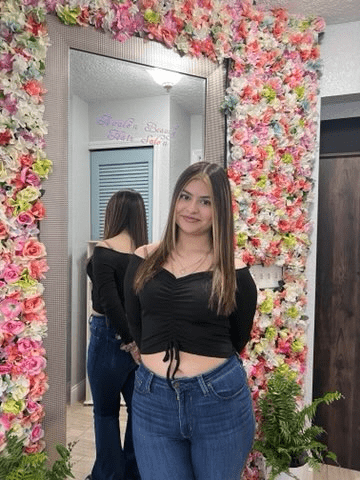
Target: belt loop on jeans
148, 382
202, 384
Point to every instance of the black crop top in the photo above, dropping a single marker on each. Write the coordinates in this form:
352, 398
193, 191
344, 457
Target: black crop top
106, 269
172, 314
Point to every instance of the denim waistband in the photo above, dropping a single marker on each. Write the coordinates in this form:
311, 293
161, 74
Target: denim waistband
99, 320
150, 377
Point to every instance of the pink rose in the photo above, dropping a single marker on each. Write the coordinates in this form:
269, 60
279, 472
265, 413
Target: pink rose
35, 447
11, 308
26, 160
19, 243
37, 416
34, 88
12, 327
319, 24
4, 421
27, 176
3, 230
37, 268
38, 210
33, 248
11, 273
148, 4
36, 411
39, 386
25, 345
35, 317
34, 304
25, 218
32, 406
36, 433
5, 368
33, 179
6, 62
33, 365
239, 136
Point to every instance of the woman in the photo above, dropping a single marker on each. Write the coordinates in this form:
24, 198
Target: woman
190, 309
112, 351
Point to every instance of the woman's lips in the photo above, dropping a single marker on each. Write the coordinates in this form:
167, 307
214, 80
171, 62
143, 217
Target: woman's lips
190, 219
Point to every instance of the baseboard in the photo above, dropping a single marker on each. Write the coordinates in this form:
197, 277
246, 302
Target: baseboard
77, 393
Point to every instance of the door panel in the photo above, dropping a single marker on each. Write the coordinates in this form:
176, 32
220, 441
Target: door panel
337, 310
116, 169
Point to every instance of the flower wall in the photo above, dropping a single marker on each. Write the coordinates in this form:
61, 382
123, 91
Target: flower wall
271, 107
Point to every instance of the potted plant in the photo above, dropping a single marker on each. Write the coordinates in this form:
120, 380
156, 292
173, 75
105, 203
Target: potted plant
286, 436
17, 465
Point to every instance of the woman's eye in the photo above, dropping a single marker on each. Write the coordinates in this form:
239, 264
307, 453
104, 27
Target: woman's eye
184, 196
206, 202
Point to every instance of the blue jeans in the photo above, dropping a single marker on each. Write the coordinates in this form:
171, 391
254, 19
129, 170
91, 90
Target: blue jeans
111, 371
201, 429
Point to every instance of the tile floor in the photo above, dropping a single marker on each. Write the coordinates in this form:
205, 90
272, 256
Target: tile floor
80, 429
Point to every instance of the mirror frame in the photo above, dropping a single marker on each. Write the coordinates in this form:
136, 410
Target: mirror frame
55, 227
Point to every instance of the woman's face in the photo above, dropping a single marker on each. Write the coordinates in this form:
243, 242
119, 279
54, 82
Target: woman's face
193, 210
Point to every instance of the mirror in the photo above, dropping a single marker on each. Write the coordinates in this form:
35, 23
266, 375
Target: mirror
125, 131
59, 228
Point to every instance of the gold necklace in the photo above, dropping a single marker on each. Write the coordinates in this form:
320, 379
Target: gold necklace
193, 266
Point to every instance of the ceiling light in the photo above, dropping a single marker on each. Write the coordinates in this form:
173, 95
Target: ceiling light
165, 78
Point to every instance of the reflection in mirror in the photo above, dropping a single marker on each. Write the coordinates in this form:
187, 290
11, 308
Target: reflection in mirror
129, 111
127, 130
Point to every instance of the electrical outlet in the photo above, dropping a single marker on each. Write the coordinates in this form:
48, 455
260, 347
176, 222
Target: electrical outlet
267, 277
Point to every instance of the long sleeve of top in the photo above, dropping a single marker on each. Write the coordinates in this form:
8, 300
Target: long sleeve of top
106, 269
172, 314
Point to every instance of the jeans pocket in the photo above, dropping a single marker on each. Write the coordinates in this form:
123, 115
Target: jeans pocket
230, 384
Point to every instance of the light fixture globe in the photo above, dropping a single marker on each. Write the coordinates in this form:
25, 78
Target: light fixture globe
165, 78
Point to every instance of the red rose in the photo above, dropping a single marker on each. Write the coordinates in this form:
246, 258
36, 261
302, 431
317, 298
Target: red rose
5, 137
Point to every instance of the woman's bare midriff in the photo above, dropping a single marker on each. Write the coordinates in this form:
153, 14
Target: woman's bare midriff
190, 365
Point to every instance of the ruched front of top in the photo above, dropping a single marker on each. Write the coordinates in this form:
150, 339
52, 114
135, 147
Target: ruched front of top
172, 314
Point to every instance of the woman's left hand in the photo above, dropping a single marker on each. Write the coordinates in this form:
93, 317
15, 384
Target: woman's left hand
135, 353
133, 349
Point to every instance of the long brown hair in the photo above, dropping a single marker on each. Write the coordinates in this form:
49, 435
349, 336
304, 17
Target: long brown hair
222, 296
126, 211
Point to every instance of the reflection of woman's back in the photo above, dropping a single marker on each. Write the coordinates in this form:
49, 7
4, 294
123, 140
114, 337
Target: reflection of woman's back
112, 352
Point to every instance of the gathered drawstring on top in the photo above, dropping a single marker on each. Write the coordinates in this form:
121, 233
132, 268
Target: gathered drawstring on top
172, 353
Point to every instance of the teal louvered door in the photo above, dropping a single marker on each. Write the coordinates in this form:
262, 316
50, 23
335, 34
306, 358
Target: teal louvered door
116, 169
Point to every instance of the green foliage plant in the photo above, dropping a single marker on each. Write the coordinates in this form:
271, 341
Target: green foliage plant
17, 465
286, 432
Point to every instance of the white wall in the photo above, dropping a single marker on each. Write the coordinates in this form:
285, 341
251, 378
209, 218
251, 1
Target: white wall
180, 122
340, 52
197, 138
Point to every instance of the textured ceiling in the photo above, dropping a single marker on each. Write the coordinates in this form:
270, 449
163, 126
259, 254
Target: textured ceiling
95, 78
333, 11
